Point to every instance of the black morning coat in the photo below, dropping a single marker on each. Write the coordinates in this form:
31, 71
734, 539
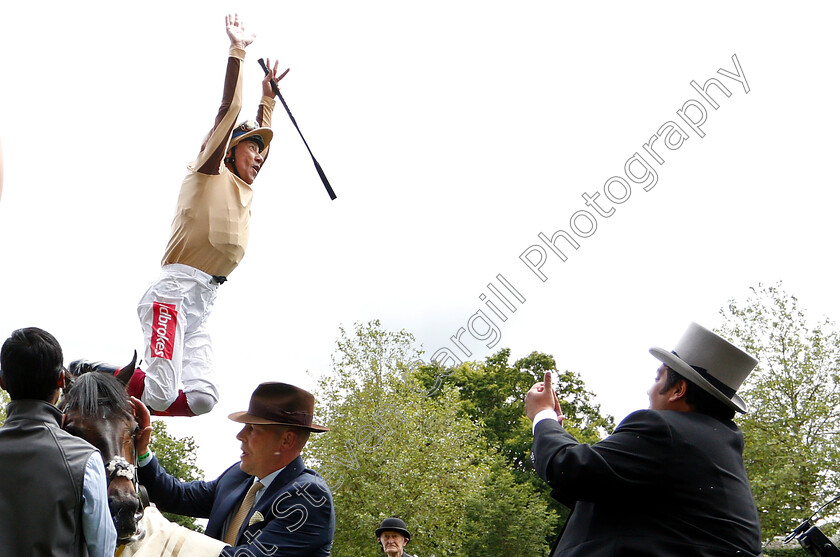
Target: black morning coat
665, 484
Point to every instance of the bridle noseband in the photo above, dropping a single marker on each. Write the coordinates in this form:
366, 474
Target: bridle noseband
119, 467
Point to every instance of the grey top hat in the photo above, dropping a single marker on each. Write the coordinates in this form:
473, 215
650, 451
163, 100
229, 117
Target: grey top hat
710, 362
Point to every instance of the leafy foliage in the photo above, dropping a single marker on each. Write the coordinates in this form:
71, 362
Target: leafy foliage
392, 451
792, 551
793, 424
493, 397
4, 400
177, 456
508, 517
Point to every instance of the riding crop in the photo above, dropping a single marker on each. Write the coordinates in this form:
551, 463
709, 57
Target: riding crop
292, 118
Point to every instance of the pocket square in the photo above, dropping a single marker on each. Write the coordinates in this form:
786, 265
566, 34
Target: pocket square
256, 517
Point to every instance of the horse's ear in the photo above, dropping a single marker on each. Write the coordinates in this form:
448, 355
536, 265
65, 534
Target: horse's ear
69, 378
77, 368
124, 375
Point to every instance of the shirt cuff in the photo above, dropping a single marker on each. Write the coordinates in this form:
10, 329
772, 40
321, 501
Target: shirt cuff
145, 459
547, 414
97, 525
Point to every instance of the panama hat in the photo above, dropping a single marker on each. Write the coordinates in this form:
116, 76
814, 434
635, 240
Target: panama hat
710, 362
280, 404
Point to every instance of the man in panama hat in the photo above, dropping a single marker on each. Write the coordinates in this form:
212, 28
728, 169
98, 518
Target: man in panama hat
393, 535
670, 480
268, 503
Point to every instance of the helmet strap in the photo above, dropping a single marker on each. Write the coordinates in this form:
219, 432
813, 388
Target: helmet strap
231, 160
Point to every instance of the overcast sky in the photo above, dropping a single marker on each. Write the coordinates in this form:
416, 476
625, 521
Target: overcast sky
454, 133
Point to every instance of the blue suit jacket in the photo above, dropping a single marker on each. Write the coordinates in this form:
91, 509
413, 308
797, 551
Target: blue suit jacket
665, 484
297, 511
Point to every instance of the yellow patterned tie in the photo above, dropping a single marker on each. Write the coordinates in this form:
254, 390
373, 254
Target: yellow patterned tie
239, 517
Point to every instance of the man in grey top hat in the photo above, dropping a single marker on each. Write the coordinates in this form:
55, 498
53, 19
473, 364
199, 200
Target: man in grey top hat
393, 535
670, 481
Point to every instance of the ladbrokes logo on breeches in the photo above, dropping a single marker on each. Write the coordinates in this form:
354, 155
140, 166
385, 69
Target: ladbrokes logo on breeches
163, 333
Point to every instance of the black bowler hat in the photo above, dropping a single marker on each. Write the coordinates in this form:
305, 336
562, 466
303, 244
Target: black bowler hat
280, 404
393, 525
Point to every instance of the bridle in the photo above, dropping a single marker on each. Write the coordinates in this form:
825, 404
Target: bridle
99, 394
119, 467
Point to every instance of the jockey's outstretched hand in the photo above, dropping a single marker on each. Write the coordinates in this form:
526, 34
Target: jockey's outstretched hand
144, 426
273, 73
236, 31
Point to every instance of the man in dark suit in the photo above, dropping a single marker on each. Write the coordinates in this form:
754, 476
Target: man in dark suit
670, 481
267, 504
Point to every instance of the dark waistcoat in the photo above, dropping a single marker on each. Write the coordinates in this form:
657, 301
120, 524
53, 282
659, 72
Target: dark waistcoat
42, 471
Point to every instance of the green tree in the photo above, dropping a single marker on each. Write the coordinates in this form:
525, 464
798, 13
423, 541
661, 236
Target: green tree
391, 451
176, 456
793, 420
4, 400
493, 396
510, 517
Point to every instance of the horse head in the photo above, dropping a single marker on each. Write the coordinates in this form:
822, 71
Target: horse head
97, 409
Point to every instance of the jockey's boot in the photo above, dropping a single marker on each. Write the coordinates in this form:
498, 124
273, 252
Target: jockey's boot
131, 376
134, 380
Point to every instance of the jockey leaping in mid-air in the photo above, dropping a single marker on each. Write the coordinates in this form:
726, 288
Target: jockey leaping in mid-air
208, 239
